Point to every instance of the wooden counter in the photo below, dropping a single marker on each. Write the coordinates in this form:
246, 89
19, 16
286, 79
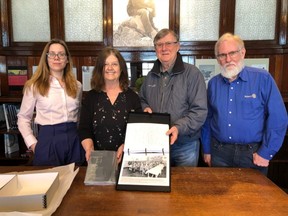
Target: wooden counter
195, 191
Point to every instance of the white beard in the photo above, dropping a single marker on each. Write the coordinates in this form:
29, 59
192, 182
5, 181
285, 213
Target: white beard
233, 71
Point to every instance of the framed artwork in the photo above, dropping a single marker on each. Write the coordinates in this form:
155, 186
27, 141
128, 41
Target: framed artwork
258, 63
136, 22
208, 67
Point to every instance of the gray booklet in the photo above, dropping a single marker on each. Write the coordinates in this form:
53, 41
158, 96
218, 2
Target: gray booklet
101, 169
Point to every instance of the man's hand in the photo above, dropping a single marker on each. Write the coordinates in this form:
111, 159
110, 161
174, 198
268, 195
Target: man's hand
260, 161
148, 109
207, 159
173, 131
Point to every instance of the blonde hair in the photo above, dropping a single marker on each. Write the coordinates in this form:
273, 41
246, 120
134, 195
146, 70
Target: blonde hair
41, 78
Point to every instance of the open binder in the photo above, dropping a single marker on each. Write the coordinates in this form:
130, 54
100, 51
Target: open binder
146, 159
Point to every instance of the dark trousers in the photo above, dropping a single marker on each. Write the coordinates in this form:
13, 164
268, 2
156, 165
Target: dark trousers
235, 155
58, 145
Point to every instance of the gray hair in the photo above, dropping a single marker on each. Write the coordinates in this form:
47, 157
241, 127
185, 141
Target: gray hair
228, 36
162, 33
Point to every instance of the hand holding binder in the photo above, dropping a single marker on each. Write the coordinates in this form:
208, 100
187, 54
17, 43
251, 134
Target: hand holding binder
173, 133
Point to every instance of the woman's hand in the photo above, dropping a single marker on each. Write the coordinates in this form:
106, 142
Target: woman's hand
120, 153
88, 147
32, 147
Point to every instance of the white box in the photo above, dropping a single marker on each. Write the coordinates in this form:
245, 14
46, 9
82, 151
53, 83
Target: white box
27, 192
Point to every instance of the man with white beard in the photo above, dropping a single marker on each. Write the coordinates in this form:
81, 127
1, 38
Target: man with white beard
247, 119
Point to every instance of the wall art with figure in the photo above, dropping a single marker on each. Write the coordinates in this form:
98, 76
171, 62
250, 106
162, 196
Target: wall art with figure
136, 22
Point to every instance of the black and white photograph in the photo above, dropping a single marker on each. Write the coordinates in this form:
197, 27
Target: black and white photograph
151, 169
150, 166
136, 22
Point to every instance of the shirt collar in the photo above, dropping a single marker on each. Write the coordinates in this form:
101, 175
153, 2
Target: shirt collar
243, 75
177, 67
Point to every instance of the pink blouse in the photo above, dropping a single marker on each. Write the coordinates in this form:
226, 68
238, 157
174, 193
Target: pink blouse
53, 109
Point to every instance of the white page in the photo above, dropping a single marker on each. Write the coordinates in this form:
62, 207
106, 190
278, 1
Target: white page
149, 136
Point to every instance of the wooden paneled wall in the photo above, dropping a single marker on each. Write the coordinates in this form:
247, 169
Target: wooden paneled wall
85, 54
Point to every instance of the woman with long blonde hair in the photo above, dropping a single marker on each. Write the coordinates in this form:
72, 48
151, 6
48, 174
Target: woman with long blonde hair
56, 95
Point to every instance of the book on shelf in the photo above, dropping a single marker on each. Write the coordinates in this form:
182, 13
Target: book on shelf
17, 75
2, 118
11, 144
145, 163
101, 168
10, 113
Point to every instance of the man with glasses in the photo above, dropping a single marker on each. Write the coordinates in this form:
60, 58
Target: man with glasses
247, 119
179, 89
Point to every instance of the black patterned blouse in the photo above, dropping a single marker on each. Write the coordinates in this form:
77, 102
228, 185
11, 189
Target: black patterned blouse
105, 123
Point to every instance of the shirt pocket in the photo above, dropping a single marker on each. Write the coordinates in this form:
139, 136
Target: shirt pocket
251, 108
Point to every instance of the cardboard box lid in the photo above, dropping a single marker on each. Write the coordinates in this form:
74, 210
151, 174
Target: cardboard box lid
4, 179
27, 192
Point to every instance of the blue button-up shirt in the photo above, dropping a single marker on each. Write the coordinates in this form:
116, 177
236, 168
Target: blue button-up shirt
249, 109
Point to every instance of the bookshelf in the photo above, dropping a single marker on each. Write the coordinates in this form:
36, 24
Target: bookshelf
21, 157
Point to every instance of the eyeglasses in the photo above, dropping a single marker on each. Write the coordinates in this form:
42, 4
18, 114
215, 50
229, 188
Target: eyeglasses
52, 55
167, 44
231, 54
113, 65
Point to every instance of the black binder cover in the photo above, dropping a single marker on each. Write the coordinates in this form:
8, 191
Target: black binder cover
145, 164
